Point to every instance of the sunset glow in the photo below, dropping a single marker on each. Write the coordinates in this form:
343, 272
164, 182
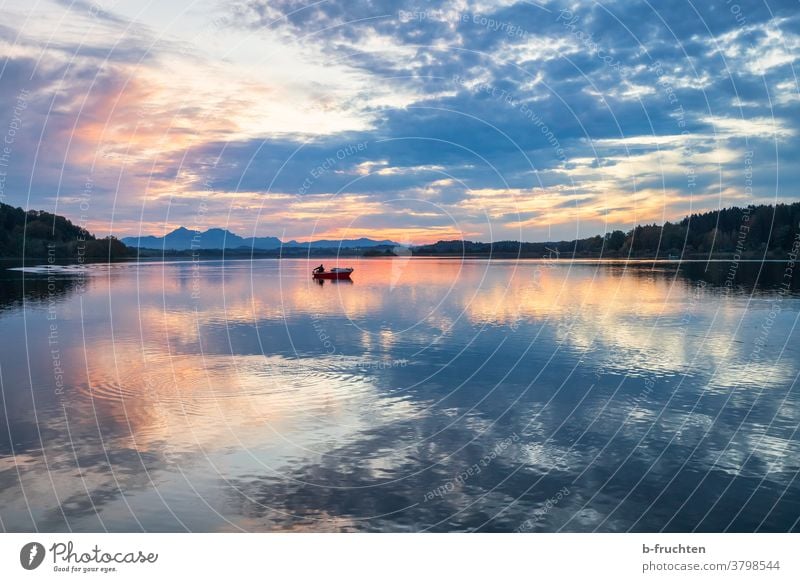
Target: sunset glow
307, 122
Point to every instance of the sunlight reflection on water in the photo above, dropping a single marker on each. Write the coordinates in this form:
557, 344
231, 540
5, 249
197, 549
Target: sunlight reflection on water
244, 395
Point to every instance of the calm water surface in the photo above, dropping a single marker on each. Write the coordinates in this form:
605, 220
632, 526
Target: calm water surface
440, 395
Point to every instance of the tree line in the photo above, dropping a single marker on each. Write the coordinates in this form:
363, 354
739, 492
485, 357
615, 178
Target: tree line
752, 231
37, 234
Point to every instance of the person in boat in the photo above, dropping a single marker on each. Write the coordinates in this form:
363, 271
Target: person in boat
319, 269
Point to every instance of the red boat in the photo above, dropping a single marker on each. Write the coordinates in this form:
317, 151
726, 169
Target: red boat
336, 273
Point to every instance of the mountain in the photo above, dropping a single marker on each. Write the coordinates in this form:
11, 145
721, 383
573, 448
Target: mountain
36, 234
355, 243
182, 239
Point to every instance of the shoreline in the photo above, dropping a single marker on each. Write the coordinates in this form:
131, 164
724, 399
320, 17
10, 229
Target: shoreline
16, 263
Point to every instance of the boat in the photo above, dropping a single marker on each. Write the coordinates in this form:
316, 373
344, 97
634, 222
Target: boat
335, 273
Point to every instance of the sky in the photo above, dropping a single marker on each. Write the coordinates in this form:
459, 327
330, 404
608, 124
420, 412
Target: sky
410, 121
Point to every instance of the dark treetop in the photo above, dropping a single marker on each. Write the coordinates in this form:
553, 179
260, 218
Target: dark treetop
754, 232
37, 234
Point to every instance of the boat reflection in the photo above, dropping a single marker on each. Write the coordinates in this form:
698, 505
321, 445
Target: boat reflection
321, 282
283, 406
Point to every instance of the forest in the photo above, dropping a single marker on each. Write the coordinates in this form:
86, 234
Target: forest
35, 234
749, 232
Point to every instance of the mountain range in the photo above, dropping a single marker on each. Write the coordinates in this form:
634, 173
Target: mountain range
183, 238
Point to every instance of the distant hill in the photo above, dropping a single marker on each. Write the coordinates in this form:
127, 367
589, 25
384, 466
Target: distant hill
753, 231
352, 243
182, 239
37, 234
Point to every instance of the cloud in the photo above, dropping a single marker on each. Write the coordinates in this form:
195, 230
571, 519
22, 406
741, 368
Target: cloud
583, 115
758, 127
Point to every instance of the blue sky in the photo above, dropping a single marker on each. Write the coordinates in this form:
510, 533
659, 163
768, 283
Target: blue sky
406, 120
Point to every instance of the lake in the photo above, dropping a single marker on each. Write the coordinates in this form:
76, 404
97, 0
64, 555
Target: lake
425, 395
